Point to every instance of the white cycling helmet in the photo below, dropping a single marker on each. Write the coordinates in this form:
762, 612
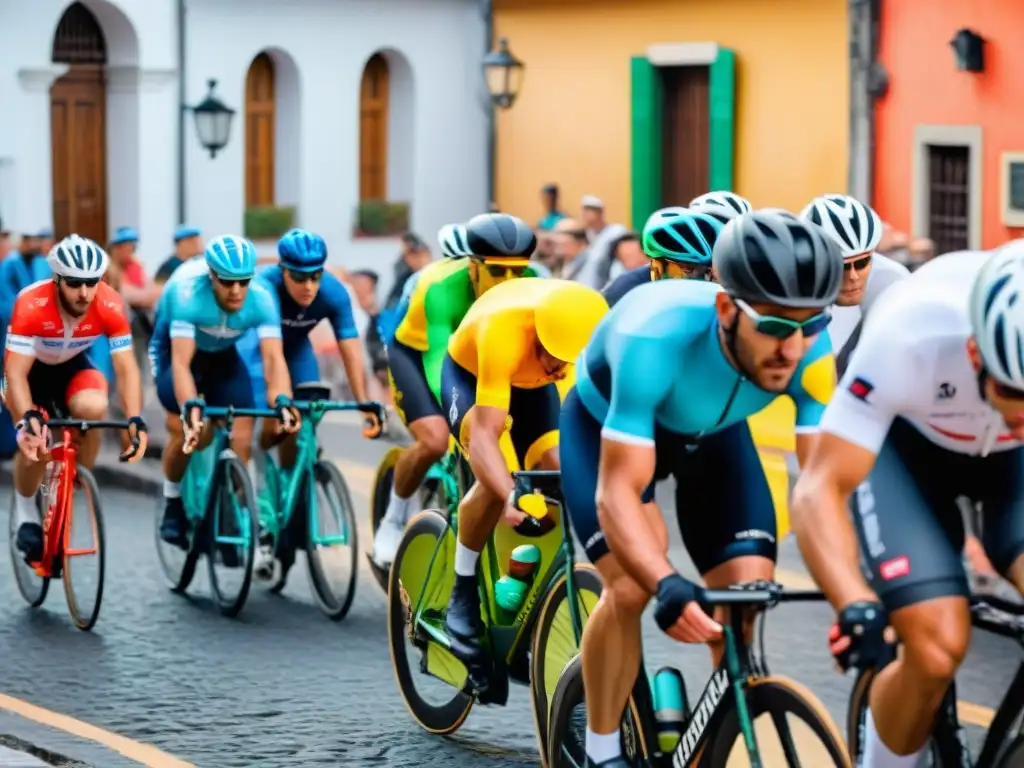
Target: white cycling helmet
724, 206
996, 311
452, 238
78, 258
855, 226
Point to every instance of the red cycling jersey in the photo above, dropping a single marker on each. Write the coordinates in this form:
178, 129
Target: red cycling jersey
38, 330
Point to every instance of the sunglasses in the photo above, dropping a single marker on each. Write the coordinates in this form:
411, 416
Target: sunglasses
228, 283
305, 277
501, 271
782, 328
1005, 392
79, 282
672, 270
858, 264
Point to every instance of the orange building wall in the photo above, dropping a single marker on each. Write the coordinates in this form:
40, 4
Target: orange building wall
926, 88
571, 123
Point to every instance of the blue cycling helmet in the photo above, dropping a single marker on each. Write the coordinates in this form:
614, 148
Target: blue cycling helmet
231, 257
679, 234
302, 251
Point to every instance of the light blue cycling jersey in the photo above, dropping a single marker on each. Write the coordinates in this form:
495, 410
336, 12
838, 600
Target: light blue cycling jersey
655, 361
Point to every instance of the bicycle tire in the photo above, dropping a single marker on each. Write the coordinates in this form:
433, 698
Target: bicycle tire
179, 578
85, 622
331, 605
543, 678
33, 588
230, 469
856, 712
449, 716
776, 696
379, 498
1013, 755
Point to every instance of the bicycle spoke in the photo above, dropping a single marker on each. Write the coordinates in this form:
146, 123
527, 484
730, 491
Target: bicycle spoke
786, 738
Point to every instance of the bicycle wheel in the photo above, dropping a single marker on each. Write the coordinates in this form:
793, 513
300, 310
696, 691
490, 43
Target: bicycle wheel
554, 642
1013, 756
32, 586
415, 573
856, 722
379, 498
83, 613
232, 533
332, 556
796, 729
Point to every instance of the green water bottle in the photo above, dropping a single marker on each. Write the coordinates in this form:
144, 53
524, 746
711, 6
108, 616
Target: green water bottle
510, 590
669, 707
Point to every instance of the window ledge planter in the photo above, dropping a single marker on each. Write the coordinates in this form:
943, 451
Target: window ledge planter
381, 218
268, 222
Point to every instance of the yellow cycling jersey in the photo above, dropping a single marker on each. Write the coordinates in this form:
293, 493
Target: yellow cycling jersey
412, 330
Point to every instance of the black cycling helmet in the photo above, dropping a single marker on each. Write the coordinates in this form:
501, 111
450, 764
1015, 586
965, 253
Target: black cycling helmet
775, 258
499, 236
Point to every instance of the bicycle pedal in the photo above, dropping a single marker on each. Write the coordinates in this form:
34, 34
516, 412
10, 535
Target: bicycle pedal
477, 681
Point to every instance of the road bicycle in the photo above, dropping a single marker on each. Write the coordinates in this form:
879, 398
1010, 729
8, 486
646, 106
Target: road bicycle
325, 529
1004, 742
721, 727
528, 640
221, 513
55, 504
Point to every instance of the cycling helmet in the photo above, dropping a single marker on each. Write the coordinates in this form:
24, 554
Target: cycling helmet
778, 259
499, 236
683, 235
566, 317
78, 258
722, 205
231, 257
996, 310
301, 251
855, 226
452, 238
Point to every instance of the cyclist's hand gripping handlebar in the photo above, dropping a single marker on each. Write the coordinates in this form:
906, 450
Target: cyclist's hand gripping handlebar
535, 506
139, 437
376, 417
192, 412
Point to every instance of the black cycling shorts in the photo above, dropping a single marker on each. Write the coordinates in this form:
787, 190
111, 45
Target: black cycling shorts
910, 526
724, 504
409, 389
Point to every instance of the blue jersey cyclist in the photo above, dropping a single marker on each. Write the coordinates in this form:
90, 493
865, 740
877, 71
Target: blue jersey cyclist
199, 318
665, 386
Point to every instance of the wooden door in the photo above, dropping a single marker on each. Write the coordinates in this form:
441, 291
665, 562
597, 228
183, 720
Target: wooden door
685, 134
78, 139
373, 130
260, 117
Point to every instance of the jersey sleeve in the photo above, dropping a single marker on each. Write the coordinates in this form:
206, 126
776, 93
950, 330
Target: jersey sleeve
340, 313
114, 315
180, 325
21, 332
640, 380
500, 348
813, 384
442, 314
267, 318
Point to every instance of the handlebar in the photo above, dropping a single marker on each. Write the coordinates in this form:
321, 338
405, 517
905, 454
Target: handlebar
324, 406
84, 425
315, 407
546, 482
764, 593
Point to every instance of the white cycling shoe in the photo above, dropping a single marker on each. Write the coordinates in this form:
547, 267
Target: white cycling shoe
386, 541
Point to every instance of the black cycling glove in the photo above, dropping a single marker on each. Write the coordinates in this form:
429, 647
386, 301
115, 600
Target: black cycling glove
674, 592
864, 624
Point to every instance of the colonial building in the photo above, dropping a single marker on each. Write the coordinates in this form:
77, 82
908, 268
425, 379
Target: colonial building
355, 118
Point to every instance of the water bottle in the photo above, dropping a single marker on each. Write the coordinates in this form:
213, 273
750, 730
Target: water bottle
510, 590
669, 707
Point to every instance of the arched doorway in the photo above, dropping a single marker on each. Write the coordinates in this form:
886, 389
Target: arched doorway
260, 127
373, 129
78, 126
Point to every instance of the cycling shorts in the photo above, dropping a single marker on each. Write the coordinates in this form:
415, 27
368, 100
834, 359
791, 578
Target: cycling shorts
53, 386
222, 379
724, 504
910, 525
409, 389
532, 421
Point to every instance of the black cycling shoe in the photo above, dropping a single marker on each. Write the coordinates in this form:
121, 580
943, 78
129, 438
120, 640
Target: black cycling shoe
174, 526
30, 542
615, 762
463, 620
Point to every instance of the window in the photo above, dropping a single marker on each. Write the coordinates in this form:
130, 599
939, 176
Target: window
259, 132
79, 39
949, 197
373, 130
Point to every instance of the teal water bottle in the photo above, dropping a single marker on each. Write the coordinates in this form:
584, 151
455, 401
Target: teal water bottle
669, 707
510, 590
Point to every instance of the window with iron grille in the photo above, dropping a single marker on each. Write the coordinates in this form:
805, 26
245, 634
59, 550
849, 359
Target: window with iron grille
949, 194
79, 39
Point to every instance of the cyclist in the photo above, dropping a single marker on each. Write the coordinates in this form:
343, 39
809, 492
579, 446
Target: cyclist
678, 242
502, 362
53, 323
930, 408
497, 247
200, 316
724, 206
666, 386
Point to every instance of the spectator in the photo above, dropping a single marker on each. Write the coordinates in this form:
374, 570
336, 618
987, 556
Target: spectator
626, 254
188, 243
414, 257
571, 249
364, 282
5, 243
549, 199
139, 291
592, 214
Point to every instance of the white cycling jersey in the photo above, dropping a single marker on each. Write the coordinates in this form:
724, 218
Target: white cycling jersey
884, 272
912, 362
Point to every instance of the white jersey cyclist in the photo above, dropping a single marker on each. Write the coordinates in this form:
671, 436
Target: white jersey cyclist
884, 272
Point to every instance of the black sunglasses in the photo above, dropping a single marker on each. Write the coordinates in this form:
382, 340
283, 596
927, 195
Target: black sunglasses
227, 283
305, 277
78, 282
857, 265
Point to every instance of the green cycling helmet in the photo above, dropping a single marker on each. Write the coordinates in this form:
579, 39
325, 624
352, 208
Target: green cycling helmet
679, 234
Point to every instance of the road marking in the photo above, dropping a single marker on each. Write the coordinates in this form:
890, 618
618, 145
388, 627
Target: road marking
144, 754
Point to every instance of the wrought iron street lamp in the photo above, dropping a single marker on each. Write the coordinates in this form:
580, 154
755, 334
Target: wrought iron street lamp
213, 121
503, 73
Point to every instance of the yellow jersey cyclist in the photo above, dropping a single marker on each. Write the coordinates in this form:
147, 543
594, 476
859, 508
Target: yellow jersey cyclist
666, 385
496, 247
502, 362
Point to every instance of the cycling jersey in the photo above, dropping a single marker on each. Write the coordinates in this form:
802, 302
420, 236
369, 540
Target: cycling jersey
332, 303
912, 362
38, 328
625, 283
884, 272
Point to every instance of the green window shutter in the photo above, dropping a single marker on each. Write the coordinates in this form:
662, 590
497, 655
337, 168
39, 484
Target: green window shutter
722, 104
645, 156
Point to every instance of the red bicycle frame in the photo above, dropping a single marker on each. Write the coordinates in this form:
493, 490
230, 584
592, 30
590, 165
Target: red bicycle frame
63, 466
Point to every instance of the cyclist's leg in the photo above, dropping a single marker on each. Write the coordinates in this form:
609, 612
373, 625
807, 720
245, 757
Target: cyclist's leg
911, 535
725, 512
303, 369
611, 647
534, 432
86, 398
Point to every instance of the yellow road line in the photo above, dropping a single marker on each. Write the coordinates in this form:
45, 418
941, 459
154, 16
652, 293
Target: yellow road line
144, 754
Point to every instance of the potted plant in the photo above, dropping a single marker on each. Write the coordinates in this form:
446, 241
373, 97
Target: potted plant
268, 222
381, 218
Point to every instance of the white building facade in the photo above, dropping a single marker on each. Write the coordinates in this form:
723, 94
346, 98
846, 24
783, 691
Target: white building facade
337, 102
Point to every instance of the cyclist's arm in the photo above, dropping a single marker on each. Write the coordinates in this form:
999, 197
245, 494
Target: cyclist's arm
268, 330
183, 350
350, 347
18, 361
